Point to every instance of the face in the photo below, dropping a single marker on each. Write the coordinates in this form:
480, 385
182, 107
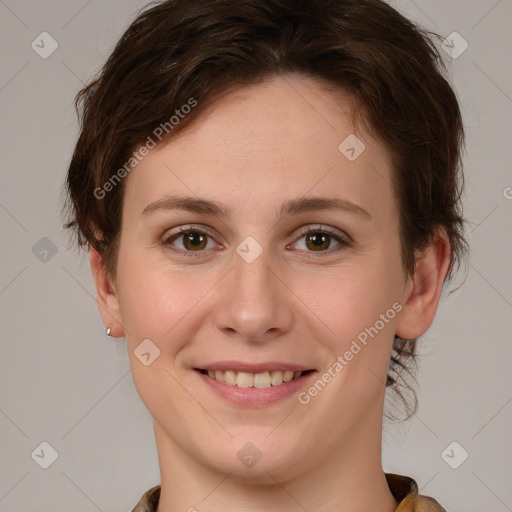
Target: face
252, 279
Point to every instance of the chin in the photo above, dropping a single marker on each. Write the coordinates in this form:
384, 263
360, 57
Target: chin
257, 463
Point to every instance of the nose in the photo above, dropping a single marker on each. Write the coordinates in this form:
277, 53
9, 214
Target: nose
254, 303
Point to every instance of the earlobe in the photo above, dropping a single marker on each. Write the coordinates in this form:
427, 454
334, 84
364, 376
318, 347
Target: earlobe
423, 289
106, 295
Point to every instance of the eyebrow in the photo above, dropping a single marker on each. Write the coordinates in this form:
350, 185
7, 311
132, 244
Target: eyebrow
292, 207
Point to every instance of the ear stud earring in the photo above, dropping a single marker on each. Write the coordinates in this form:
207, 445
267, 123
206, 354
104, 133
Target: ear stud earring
109, 330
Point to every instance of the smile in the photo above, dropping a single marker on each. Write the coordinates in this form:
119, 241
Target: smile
257, 380
258, 388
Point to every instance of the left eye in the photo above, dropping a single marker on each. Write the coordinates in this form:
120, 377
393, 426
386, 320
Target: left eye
319, 239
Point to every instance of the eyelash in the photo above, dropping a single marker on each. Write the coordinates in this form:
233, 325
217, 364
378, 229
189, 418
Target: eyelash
167, 241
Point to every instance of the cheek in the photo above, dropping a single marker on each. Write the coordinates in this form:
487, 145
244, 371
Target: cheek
351, 298
360, 311
151, 300
359, 304
155, 305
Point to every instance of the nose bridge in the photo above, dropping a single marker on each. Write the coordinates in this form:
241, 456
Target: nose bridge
253, 278
253, 302
253, 282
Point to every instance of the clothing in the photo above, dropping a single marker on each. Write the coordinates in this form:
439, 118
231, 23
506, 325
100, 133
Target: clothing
403, 488
405, 491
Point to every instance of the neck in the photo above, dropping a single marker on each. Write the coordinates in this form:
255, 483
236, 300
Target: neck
349, 479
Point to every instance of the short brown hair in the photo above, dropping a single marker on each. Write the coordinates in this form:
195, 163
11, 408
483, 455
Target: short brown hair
182, 49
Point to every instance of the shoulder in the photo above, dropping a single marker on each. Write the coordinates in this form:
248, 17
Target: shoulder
405, 491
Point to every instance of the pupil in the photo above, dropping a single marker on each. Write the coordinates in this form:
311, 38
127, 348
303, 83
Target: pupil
193, 239
318, 240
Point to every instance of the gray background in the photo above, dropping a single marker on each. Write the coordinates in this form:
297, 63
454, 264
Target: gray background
62, 381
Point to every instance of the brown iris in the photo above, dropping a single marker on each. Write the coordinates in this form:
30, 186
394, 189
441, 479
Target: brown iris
191, 239
317, 239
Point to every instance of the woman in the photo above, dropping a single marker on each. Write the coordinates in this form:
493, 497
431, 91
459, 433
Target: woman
270, 194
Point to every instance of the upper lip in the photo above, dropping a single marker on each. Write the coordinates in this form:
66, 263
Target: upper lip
240, 366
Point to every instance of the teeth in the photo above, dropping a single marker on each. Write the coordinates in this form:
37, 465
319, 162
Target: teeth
230, 377
244, 380
262, 380
276, 378
257, 380
287, 376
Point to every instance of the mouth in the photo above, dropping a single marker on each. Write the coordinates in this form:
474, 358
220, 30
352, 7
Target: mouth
260, 380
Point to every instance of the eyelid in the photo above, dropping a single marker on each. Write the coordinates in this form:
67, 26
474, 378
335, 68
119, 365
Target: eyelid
308, 228
185, 228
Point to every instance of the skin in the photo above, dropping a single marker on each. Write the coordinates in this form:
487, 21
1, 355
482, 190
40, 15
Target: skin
253, 150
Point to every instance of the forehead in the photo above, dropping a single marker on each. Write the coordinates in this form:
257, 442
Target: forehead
288, 137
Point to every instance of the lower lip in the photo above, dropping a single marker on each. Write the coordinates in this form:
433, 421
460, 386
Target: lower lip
252, 397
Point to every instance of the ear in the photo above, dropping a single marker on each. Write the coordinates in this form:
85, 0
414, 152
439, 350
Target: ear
108, 304
423, 289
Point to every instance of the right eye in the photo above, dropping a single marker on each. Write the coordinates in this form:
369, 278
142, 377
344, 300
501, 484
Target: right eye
193, 241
